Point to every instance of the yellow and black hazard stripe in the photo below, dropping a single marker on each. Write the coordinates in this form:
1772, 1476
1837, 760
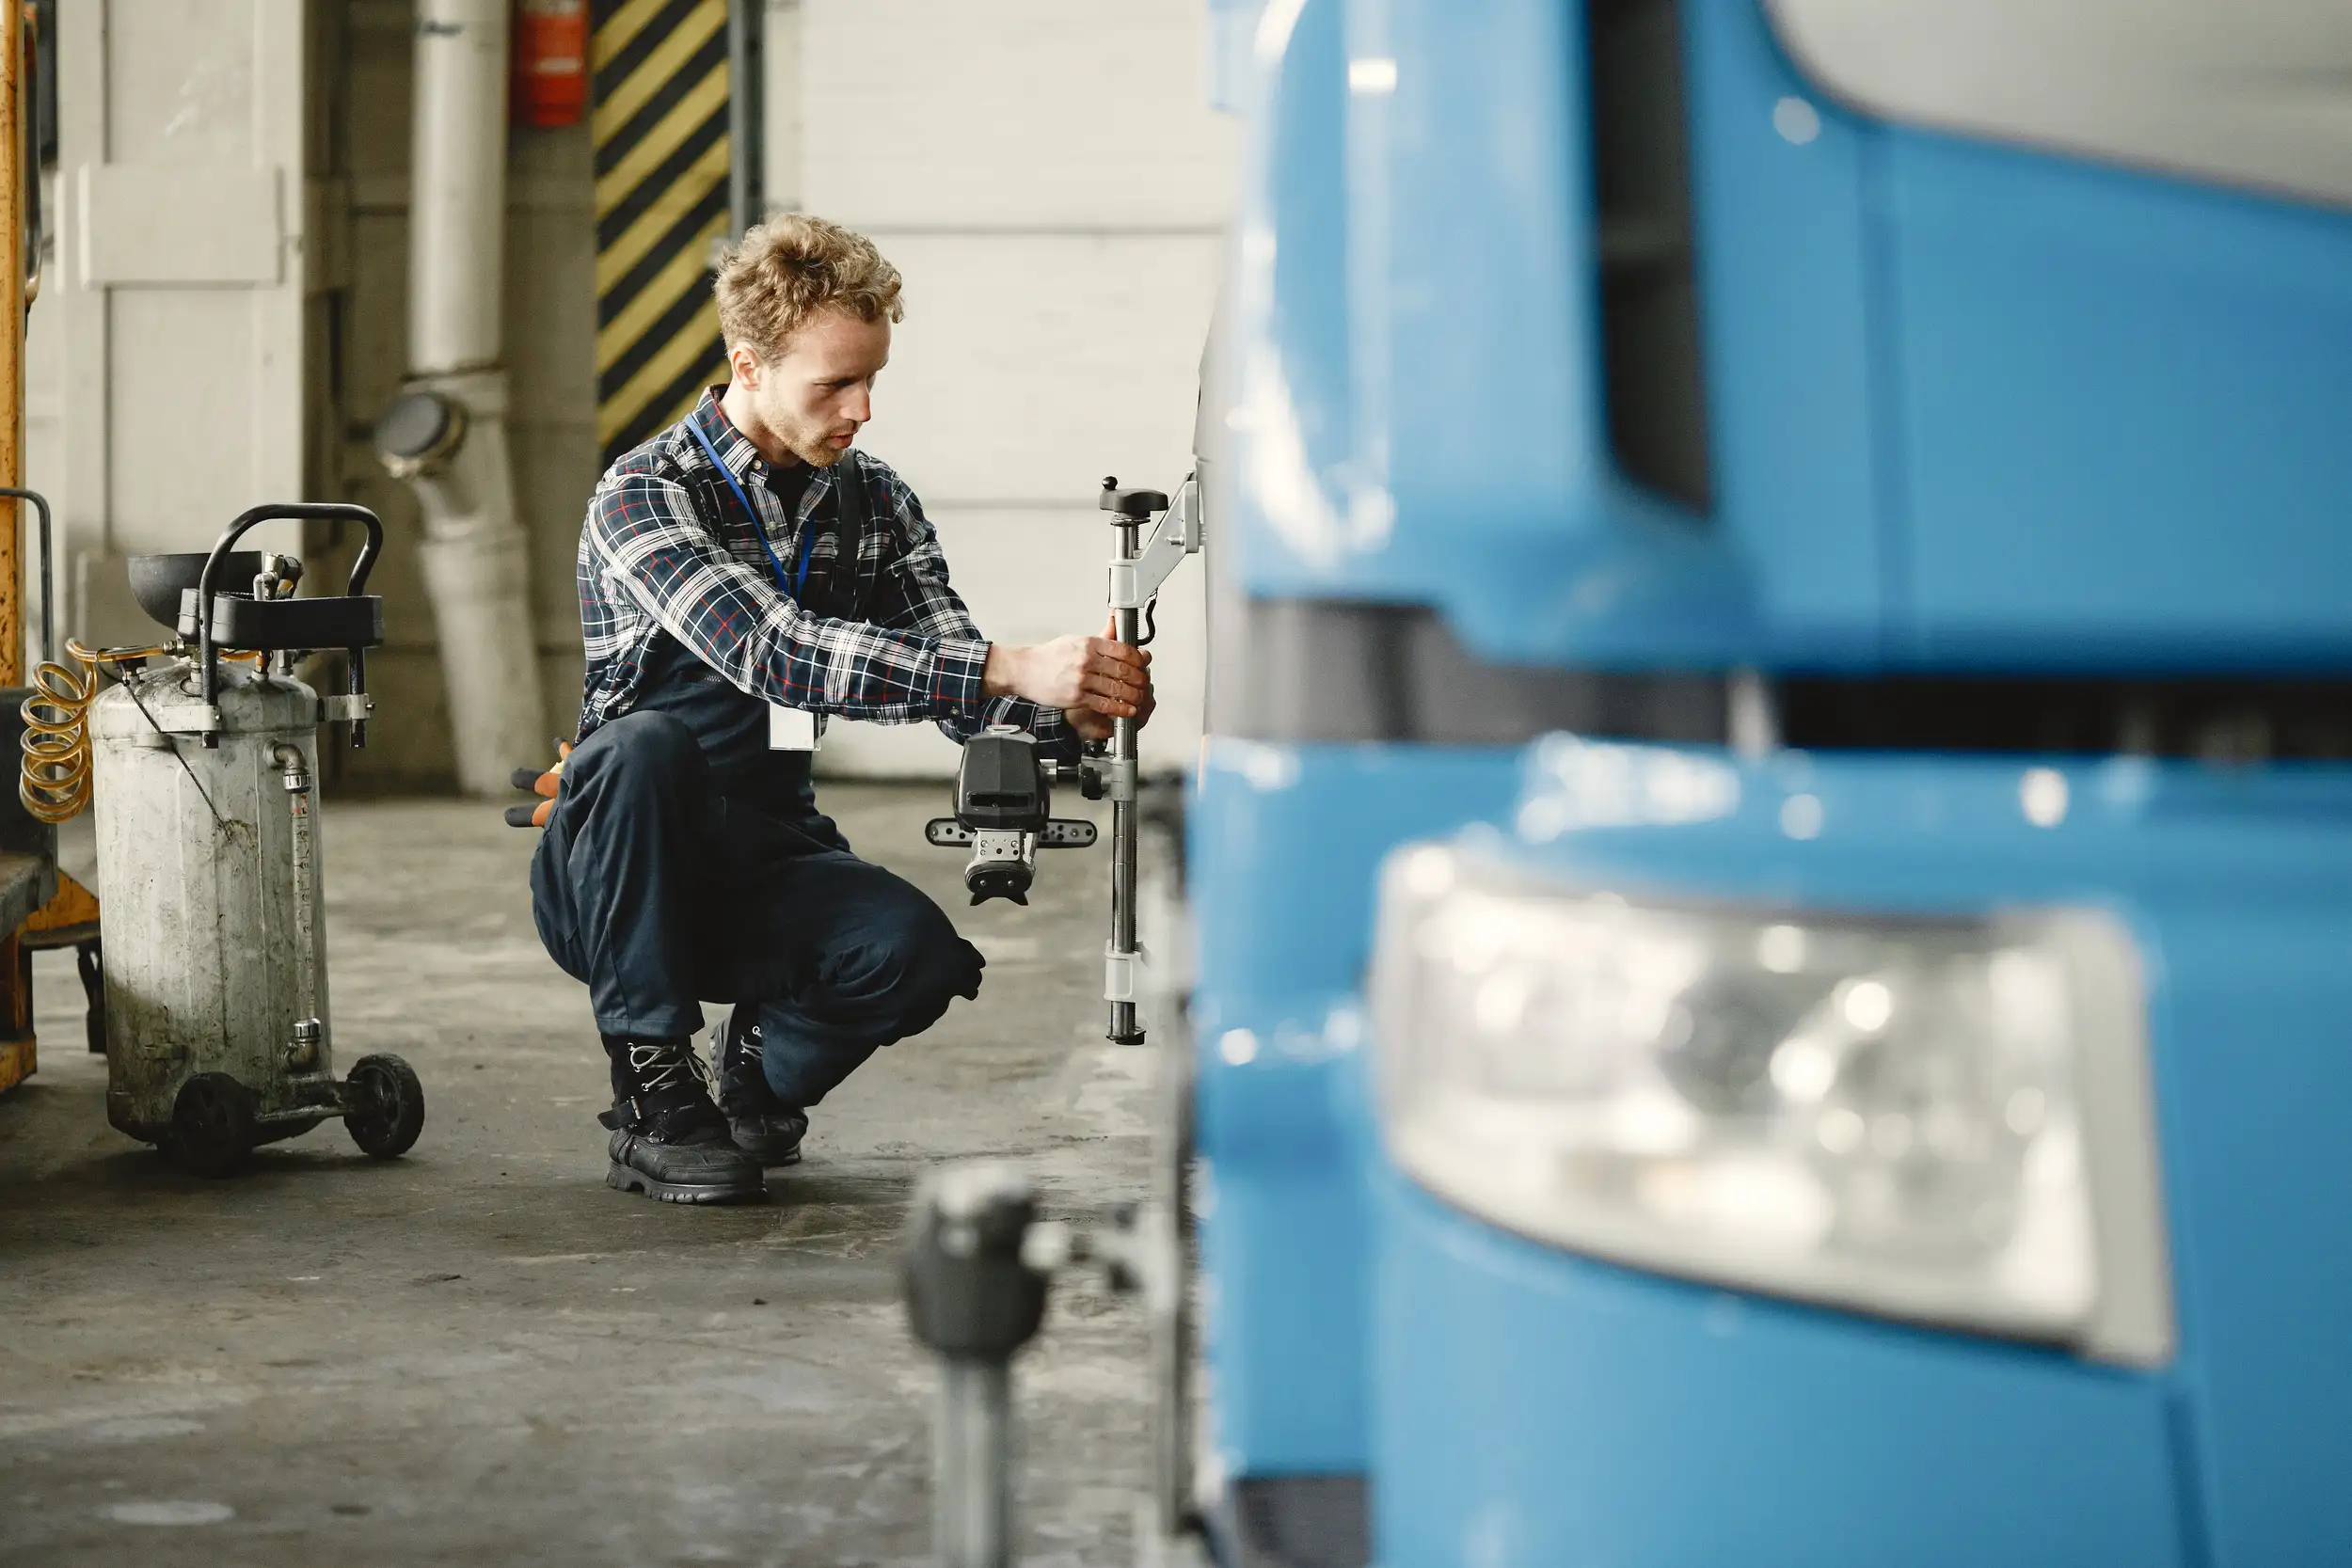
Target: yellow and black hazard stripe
663, 151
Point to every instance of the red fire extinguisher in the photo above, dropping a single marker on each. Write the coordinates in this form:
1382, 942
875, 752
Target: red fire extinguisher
551, 85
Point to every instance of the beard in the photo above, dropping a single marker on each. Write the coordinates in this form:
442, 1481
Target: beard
804, 434
809, 443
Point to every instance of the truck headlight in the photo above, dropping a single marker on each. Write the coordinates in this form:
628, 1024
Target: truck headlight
1945, 1121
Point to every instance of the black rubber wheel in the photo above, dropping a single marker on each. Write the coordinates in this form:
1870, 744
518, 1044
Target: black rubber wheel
211, 1125
387, 1106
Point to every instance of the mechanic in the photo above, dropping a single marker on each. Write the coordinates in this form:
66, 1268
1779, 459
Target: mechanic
741, 574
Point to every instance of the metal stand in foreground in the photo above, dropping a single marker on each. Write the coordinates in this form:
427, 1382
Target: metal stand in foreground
978, 1267
974, 1299
1138, 568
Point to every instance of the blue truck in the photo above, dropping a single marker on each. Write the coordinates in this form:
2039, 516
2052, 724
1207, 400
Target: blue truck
1773, 867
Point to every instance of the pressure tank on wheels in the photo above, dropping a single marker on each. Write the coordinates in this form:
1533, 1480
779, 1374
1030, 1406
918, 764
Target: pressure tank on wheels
219, 1033
208, 856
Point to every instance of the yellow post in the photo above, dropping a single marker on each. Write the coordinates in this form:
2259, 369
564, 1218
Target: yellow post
16, 976
13, 175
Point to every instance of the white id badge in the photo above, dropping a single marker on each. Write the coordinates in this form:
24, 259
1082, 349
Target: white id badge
791, 729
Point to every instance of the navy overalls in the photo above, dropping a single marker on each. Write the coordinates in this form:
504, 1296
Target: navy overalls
686, 862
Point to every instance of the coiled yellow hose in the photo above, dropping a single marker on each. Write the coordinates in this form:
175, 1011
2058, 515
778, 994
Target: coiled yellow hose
55, 780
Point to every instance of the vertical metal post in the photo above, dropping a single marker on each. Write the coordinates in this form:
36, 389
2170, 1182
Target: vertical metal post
974, 1299
1125, 628
972, 1465
746, 137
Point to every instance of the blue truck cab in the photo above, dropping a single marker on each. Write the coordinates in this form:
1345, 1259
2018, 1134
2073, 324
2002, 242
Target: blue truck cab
1773, 867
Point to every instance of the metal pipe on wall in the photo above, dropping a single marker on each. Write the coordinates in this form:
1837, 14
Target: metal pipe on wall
457, 200
446, 434
747, 93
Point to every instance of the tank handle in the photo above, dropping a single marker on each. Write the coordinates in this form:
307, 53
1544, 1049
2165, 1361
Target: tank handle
322, 512
48, 572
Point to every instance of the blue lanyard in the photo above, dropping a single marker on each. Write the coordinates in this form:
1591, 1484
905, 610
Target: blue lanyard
809, 535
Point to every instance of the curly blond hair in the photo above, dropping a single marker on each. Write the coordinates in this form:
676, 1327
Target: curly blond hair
788, 268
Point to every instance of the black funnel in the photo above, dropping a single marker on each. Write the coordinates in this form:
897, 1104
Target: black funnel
158, 580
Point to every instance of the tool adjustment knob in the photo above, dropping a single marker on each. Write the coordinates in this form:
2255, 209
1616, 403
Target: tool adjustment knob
1131, 506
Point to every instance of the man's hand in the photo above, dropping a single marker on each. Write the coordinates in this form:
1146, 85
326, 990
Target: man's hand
1094, 726
1093, 680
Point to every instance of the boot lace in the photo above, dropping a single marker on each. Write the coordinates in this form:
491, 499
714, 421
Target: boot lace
671, 1101
664, 1065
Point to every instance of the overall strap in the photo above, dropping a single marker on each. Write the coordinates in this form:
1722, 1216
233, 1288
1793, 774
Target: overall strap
851, 520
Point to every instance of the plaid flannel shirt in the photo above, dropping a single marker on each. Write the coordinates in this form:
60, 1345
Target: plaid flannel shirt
666, 548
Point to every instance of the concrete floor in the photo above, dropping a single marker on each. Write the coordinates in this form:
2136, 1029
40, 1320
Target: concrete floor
480, 1354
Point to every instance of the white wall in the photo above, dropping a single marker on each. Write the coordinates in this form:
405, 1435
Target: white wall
1047, 176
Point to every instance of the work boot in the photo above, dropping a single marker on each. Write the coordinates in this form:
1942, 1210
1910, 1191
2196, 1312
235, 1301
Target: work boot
669, 1141
764, 1127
